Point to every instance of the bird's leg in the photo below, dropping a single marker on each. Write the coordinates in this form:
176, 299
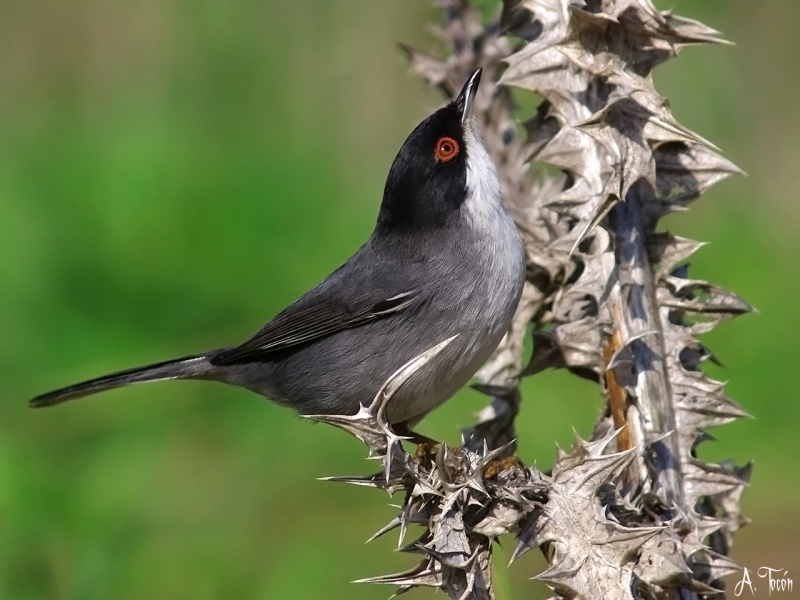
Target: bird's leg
403, 430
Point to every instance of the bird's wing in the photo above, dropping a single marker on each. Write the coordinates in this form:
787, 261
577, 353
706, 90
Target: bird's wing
315, 316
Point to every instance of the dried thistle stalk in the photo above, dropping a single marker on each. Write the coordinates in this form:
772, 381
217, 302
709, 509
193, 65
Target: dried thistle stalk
633, 513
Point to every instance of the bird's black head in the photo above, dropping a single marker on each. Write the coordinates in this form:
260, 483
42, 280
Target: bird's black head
428, 181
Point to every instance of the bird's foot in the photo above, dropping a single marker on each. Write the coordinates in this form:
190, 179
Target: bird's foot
404, 431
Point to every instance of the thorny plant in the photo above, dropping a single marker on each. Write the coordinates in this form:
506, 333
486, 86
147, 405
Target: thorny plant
633, 512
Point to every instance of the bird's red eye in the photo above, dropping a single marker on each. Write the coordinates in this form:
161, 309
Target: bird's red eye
446, 149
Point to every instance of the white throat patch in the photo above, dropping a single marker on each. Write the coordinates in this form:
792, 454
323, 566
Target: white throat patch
483, 188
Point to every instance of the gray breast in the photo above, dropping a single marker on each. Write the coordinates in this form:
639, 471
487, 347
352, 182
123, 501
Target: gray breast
490, 286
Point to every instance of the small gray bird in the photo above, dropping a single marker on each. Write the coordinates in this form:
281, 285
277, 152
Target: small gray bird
445, 258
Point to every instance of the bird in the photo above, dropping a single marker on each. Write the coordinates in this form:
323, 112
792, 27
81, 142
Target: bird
444, 259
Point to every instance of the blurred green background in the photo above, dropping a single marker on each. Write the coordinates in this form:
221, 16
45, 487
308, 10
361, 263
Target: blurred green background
173, 173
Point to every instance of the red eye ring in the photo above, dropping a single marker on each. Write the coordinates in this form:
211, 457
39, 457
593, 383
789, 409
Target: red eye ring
446, 149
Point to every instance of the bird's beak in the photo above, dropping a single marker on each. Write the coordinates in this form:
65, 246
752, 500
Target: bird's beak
466, 99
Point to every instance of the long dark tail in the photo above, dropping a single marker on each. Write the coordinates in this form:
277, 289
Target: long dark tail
188, 367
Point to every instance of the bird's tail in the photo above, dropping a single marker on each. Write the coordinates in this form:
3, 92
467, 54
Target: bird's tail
188, 367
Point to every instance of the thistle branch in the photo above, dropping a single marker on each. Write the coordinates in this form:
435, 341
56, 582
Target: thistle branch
633, 512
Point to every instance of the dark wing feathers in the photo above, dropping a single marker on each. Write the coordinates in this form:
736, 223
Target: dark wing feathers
305, 321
